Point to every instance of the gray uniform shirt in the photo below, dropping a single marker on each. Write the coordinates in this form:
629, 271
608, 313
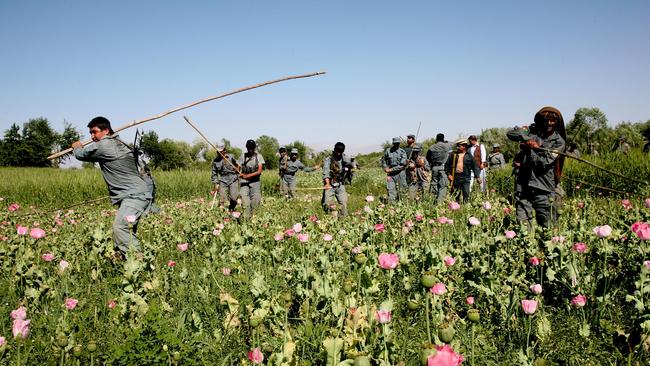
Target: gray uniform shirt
249, 165
118, 168
537, 167
394, 159
294, 166
343, 165
497, 160
222, 171
438, 153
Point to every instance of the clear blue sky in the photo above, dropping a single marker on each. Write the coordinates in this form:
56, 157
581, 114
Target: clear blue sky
456, 66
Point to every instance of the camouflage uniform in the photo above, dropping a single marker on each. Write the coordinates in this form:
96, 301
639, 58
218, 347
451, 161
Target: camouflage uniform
417, 173
394, 159
436, 157
126, 187
335, 170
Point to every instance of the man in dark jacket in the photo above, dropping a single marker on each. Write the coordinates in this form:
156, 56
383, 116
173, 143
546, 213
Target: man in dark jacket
459, 168
540, 167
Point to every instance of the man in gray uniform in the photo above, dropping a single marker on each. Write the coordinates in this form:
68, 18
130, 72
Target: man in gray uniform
334, 170
225, 177
417, 173
540, 170
496, 158
250, 186
126, 187
393, 162
288, 181
436, 157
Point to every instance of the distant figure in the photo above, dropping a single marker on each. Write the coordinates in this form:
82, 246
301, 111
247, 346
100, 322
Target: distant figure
126, 187
480, 156
288, 181
593, 149
436, 157
225, 179
417, 173
623, 146
460, 167
410, 144
250, 186
646, 147
496, 158
393, 162
334, 170
354, 167
573, 149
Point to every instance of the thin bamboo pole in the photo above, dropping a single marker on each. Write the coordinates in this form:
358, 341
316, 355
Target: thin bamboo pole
211, 144
137, 122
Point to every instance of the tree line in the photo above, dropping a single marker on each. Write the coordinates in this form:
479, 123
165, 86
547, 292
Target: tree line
31, 144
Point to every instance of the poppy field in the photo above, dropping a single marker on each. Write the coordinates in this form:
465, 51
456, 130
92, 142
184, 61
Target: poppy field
415, 283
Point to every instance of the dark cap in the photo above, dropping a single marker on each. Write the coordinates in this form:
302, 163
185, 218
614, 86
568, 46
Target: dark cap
339, 146
251, 144
472, 137
411, 136
282, 149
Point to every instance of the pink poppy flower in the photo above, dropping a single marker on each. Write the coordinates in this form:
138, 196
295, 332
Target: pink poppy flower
13, 207
290, 232
3, 341
627, 205
510, 234
469, 300
357, 250
487, 206
449, 261
445, 356
474, 221
303, 238
579, 301
22, 230
71, 303
20, 313
63, 264
647, 202
536, 289
529, 306
256, 356
646, 264
443, 220
48, 257
370, 198
507, 210
327, 237
557, 239
171, 263
111, 304
297, 227
379, 228
225, 271
454, 206
580, 247
216, 232
439, 289
21, 328
642, 230
278, 237
419, 217
313, 218
182, 247
581, 205
534, 261
388, 260
383, 316
602, 231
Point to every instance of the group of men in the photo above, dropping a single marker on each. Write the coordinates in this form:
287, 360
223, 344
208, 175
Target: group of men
409, 170
537, 166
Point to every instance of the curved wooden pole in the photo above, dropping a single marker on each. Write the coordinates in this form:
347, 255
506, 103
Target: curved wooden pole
137, 122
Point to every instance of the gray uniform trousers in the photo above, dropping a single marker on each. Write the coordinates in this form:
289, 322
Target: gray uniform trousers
288, 185
229, 193
439, 182
251, 196
124, 231
395, 184
334, 194
542, 203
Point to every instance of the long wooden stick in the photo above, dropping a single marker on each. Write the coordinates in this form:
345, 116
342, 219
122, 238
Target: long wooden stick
592, 164
211, 144
135, 123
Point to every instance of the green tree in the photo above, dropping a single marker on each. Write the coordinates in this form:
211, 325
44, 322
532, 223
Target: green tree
589, 127
305, 153
268, 146
497, 135
69, 135
38, 143
10, 154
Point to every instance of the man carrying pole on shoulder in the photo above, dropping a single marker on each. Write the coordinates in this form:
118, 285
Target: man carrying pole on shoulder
126, 187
